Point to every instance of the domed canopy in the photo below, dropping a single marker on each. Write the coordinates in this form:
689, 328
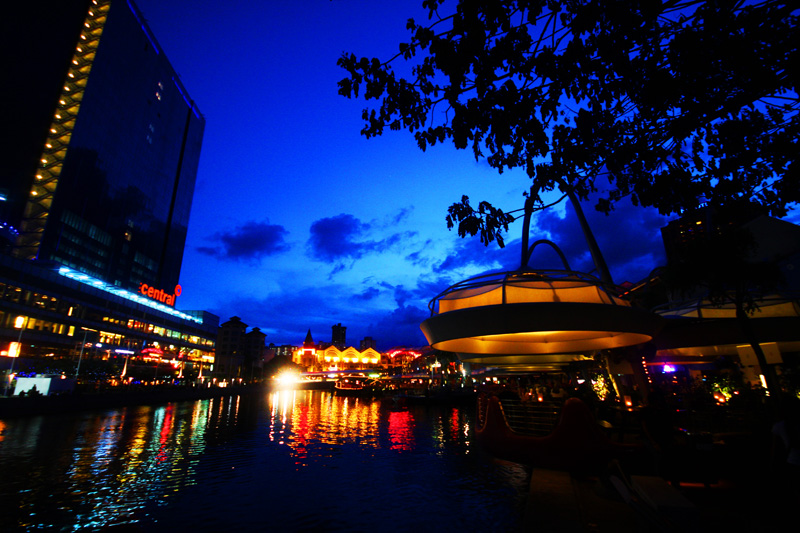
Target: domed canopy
546, 313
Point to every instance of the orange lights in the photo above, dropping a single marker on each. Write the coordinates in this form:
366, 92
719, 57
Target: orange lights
14, 349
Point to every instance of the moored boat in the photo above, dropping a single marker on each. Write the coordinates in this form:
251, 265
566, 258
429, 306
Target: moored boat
422, 388
357, 386
575, 442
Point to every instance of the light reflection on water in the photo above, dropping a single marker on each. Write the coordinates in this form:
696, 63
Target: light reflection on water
286, 461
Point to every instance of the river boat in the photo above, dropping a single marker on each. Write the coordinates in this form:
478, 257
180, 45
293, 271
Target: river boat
553, 436
422, 388
357, 386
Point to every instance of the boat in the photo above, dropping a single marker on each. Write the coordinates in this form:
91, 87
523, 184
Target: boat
557, 437
357, 386
422, 388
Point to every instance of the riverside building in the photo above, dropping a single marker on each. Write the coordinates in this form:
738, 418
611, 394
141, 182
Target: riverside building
97, 177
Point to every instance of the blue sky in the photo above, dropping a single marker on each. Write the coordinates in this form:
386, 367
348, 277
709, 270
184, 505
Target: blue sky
300, 223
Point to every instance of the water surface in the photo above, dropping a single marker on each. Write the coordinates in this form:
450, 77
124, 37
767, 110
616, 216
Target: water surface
283, 461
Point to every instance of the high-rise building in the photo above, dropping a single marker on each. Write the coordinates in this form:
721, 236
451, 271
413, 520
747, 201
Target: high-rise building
97, 174
102, 179
339, 336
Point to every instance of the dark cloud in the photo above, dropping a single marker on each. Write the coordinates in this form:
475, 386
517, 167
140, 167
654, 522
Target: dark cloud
344, 238
629, 239
286, 317
399, 327
420, 257
249, 242
402, 295
367, 294
336, 237
401, 215
469, 251
427, 289
793, 216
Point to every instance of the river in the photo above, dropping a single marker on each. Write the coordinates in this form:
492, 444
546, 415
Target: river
279, 461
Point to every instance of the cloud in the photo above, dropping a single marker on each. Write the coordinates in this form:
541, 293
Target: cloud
629, 239
249, 242
401, 216
343, 239
793, 216
318, 309
367, 294
470, 252
400, 327
334, 238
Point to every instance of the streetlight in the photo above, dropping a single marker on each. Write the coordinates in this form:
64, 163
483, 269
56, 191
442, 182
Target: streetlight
80, 355
20, 323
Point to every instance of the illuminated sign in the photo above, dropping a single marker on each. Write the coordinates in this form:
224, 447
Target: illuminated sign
159, 295
404, 353
122, 293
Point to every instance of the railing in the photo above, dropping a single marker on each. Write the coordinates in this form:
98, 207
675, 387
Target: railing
530, 418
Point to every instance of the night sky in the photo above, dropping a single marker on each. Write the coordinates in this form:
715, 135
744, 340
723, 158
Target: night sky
300, 223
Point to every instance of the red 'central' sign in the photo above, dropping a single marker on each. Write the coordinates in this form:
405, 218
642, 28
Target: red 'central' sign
159, 295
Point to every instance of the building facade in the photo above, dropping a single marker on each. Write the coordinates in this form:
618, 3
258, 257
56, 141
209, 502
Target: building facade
240, 353
96, 188
313, 357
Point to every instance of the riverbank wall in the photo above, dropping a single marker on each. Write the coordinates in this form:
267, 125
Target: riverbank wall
16, 406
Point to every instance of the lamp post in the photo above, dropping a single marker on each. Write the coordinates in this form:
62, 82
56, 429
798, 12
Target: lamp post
80, 355
21, 322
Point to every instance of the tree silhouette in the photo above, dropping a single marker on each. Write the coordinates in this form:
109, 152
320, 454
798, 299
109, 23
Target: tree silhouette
673, 102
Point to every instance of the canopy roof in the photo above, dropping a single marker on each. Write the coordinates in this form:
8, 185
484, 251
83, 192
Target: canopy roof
560, 314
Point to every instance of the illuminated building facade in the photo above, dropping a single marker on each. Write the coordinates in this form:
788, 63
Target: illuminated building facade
314, 358
332, 358
98, 176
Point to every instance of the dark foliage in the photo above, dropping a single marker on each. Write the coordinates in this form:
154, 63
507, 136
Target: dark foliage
675, 103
